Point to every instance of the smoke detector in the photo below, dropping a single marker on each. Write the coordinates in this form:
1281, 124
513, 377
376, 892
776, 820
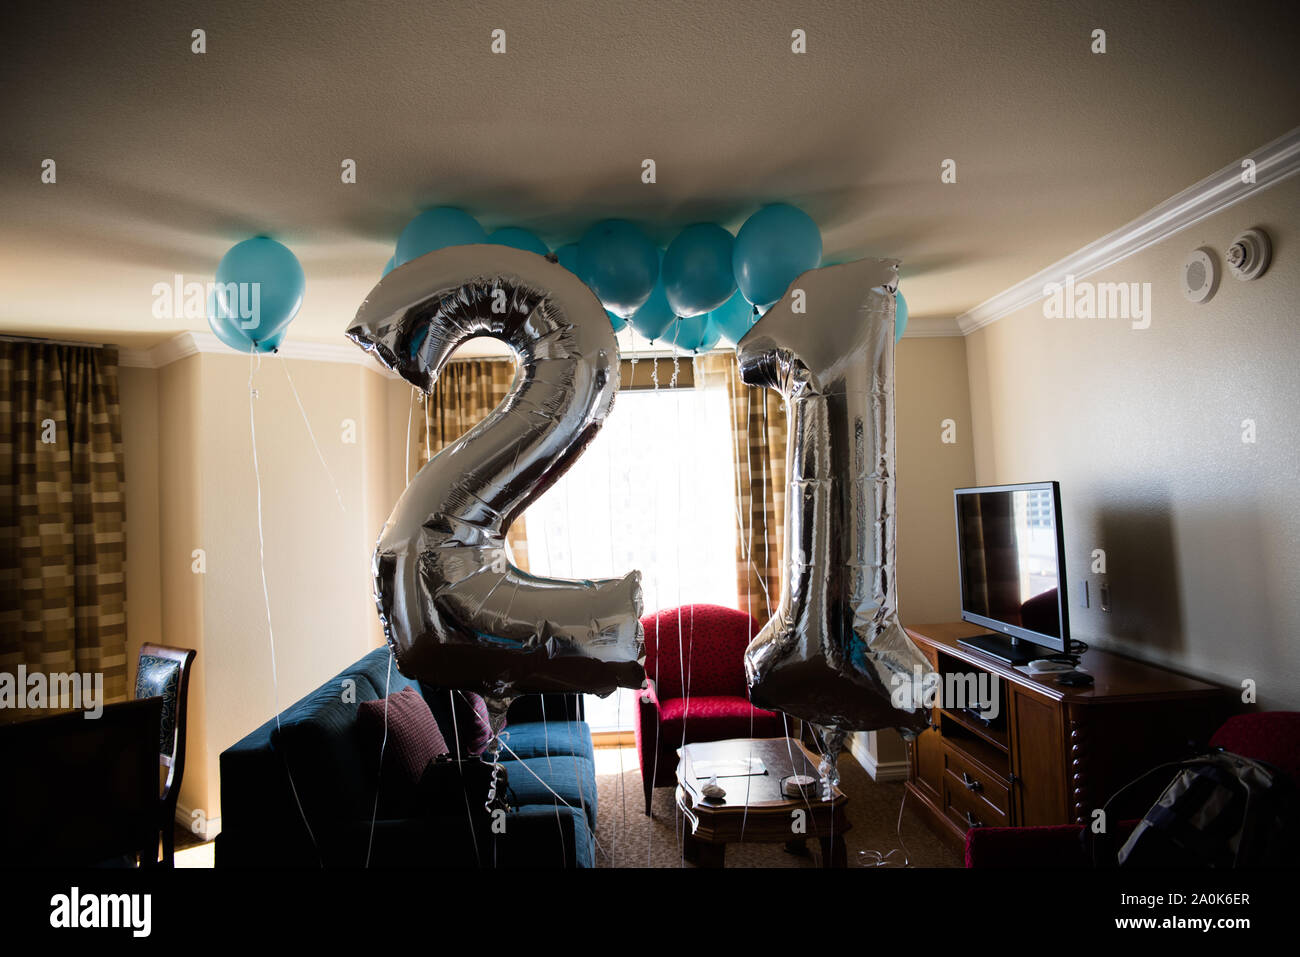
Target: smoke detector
1200, 276
1249, 255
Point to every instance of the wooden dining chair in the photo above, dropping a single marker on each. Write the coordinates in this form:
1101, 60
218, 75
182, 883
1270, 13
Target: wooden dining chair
165, 672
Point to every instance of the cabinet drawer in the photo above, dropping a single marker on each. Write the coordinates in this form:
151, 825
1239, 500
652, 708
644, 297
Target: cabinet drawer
927, 755
970, 789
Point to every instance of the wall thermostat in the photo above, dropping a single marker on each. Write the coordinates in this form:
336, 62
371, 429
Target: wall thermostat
1249, 254
1200, 276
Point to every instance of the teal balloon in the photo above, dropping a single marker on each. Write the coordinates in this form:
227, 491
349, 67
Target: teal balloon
774, 246
693, 334
620, 264
712, 336
226, 326
655, 316
567, 256
436, 228
697, 270
260, 285
734, 318
389, 266
618, 323
900, 315
517, 238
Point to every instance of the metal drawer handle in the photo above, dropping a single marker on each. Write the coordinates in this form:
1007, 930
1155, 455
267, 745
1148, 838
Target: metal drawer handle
970, 782
973, 821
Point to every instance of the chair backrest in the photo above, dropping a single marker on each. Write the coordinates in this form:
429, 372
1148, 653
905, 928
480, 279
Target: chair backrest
708, 640
164, 672
1270, 736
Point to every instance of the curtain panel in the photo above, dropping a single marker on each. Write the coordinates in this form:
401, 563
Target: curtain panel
466, 391
758, 431
62, 515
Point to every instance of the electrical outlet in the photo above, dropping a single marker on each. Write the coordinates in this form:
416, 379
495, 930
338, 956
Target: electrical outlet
1104, 594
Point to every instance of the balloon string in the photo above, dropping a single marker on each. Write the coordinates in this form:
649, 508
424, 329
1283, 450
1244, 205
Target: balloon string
374, 814
540, 780
546, 746
876, 859
654, 511
316, 445
618, 692
428, 427
549, 537
254, 363
455, 723
746, 522
582, 800
681, 658
410, 417
766, 470
455, 732
568, 529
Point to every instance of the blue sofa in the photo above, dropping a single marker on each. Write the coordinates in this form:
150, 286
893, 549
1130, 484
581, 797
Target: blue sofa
335, 772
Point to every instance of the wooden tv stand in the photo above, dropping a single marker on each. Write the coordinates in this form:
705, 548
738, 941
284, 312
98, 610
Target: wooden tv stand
1053, 753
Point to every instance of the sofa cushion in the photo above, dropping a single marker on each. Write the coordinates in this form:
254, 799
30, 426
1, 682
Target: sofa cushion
532, 781
537, 739
716, 718
462, 717
402, 727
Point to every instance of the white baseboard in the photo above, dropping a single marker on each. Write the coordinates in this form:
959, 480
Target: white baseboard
882, 771
185, 818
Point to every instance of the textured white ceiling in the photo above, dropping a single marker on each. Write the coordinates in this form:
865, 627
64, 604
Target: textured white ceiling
166, 158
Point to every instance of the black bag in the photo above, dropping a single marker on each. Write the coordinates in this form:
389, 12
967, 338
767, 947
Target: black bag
1220, 810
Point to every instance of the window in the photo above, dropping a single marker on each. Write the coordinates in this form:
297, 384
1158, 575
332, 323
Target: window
654, 491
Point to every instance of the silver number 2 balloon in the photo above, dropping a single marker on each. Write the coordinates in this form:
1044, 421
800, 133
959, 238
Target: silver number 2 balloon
834, 652
455, 611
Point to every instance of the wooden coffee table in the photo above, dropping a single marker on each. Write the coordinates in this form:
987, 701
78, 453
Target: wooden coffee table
754, 808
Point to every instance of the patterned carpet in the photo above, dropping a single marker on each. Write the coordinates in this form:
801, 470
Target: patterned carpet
630, 839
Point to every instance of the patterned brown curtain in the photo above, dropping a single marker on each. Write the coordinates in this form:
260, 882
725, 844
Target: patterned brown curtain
758, 450
62, 514
466, 391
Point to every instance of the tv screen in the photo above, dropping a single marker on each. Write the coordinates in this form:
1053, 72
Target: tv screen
1011, 562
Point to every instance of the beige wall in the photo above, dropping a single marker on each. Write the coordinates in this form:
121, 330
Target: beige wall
191, 485
1143, 428
180, 532
930, 386
316, 552
138, 399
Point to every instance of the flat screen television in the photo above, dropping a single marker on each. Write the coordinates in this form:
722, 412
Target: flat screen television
1011, 562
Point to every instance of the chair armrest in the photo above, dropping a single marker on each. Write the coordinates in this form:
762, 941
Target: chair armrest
647, 699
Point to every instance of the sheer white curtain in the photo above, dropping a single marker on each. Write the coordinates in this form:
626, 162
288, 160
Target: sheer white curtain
654, 491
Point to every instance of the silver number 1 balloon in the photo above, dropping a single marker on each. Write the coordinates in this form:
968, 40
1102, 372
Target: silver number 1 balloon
456, 612
834, 652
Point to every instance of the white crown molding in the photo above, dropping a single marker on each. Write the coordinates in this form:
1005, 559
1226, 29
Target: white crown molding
932, 327
193, 343
1274, 162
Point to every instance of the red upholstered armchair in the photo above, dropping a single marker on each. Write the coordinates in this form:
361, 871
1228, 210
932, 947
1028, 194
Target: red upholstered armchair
712, 703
